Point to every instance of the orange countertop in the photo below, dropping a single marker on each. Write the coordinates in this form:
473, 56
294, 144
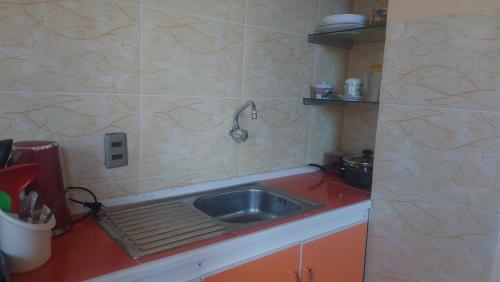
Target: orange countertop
87, 251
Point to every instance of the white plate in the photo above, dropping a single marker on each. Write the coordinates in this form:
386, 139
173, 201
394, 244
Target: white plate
338, 27
349, 98
343, 19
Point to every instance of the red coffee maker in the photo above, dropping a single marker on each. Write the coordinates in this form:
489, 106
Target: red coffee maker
49, 184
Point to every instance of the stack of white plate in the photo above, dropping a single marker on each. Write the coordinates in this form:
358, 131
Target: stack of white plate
341, 22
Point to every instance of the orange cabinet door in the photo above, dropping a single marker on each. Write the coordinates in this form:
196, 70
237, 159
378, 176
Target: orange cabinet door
281, 266
339, 257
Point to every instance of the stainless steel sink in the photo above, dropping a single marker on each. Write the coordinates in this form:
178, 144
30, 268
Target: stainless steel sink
250, 204
159, 225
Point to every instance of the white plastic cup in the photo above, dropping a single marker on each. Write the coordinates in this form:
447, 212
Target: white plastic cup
26, 246
353, 87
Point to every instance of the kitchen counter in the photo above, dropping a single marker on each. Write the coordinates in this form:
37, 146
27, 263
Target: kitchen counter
87, 251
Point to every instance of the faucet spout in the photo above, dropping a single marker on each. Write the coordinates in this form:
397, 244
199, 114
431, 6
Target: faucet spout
236, 124
240, 135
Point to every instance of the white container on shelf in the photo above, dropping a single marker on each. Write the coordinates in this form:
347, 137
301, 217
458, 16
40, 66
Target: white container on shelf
26, 246
322, 90
353, 87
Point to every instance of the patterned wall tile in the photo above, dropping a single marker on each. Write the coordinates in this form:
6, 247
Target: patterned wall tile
325, 129
296, 16
187, 134
361, 58
330, 65
106, 191
277, 64
231, 10
177, 180
360, 128
69, 46
192, 56
78, 123
448, 61
277, 139
451, 154
419, 238
496, 265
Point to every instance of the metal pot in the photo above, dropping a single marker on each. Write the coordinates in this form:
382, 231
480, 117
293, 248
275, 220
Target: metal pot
358, 170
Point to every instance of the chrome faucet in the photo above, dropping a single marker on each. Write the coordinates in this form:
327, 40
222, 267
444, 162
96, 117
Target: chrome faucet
238, 134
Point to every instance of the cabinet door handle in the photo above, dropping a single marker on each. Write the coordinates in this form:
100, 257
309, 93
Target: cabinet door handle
310, 275
297, 276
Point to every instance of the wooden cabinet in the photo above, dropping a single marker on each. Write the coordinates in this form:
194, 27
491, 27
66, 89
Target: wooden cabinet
282, 266
338, 257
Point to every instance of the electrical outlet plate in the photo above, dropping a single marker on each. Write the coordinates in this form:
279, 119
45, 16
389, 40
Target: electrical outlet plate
115, 149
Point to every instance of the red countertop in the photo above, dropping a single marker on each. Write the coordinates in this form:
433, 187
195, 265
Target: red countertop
87, 251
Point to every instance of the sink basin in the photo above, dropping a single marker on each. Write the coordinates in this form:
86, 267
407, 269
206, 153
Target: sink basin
251, 203
149, 227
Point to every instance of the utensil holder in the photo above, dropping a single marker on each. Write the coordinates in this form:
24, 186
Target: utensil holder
26, 246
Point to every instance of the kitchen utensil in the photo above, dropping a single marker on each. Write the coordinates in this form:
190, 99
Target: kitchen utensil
27, 205
358, 170
15, 179
26, 246
24, 207
5, 202
5, 151
34, 197
49, 185
343, 19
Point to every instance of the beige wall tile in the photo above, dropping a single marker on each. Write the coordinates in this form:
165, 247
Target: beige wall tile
230, 10
277, 139
419, 238
105, 191
452, 154
447, 61
359, 128
187, 134
193, 56
78, 123
277, 64
361, 58
325, 129
296, 16
496, 265
330, 65
69, 46
178, 180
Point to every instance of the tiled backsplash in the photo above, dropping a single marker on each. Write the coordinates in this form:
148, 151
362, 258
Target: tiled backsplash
436, 192
169, 73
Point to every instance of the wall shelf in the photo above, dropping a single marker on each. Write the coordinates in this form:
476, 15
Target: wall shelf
313, 101
347, 38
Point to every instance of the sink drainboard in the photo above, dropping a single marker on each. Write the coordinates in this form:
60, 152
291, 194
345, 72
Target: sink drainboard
150, 227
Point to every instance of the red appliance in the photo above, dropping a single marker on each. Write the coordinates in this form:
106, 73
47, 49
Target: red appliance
15, 179
49, 184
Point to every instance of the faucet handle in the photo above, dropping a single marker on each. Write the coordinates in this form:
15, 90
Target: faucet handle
238, 135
